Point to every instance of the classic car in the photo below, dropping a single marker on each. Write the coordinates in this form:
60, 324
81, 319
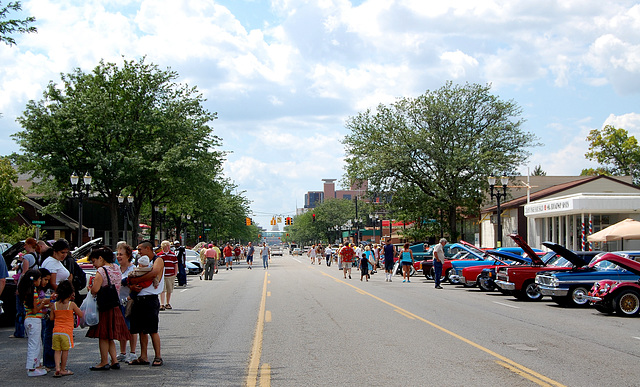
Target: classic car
472, 275
623, 297
490, 257
520, 280
452, 251
571, 287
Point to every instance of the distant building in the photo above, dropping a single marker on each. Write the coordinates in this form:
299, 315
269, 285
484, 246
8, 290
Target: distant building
313, 198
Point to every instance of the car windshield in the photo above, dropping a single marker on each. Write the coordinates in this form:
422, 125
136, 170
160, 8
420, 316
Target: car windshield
606, 265
549, 258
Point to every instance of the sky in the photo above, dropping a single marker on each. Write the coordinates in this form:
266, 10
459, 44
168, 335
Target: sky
284, 75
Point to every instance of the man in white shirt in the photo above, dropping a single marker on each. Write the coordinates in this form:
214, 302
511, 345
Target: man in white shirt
438, 261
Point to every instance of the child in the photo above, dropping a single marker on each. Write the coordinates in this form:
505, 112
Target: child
33, 320
62, 315
142, 269
364, 266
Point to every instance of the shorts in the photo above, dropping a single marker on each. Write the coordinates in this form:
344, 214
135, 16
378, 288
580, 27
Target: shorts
407, 263
144, 314
169, 284
346, 264
249, 258
228, 259
388, 264
60, 342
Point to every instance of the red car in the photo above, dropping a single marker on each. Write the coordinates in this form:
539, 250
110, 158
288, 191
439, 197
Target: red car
520, 280
622, 297
471, 275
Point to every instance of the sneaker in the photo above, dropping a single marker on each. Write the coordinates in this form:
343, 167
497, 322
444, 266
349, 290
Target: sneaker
438, 287
121, 357
131, 357
408, 280
390, 280
404, 281
37, 372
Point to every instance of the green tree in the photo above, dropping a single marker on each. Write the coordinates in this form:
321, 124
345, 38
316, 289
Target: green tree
444, 142
537, 171
616, 151
10, 196
12, 26
133, 128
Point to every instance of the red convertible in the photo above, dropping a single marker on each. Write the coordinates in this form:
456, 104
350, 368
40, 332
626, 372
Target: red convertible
623, 297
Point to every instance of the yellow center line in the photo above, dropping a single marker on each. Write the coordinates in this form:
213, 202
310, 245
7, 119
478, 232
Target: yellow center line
404, 314
256, 350
457, 336
265, 375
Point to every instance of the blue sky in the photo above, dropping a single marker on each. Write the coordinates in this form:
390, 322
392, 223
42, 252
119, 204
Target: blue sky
284, 75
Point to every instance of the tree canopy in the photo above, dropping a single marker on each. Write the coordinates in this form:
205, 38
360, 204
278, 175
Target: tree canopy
12, 26
443, 143
616, 151
10, 195
133, 128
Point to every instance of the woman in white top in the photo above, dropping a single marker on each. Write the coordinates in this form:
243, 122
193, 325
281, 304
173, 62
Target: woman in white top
54, 264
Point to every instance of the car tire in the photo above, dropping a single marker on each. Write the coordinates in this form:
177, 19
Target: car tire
576, 296
433, 275
560, 300
627, 303
529, 292
484, 286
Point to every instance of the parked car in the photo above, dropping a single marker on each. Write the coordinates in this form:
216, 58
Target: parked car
571, 288
193, 267
611, 295
452, 251
296, 251
472, 274
520, 280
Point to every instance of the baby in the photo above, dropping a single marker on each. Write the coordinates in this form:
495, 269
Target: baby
142, 269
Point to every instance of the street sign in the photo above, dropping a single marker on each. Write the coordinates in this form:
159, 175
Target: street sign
37, 222
207, 229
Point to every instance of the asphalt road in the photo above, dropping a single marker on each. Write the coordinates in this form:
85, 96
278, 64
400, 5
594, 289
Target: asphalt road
297, 324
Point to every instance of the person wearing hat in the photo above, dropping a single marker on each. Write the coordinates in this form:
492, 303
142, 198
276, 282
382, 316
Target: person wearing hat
438, 261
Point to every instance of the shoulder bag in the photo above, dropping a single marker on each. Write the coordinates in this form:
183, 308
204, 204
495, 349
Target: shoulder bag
107, 296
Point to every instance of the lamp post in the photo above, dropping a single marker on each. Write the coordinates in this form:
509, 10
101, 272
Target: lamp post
80, 190
374, 219
495, 193
125, 203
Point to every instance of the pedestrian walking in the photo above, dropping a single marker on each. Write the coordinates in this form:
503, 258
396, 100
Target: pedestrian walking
250, 251
328, 252
266, 255
312, 253
211, 256
438, 261
170, 272
347, 253
181, 254
228, 256
389, 253
406, 258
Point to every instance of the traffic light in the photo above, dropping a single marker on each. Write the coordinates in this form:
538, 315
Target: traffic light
248, 221
314, 217
287, 221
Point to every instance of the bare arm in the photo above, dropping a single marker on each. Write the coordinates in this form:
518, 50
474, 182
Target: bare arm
75, 309
97, 283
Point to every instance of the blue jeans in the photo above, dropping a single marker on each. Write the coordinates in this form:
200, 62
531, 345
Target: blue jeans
20, 313
265, 261
47, 338
437, 268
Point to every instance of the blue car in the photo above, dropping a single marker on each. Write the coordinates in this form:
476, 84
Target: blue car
570, 288
490, 257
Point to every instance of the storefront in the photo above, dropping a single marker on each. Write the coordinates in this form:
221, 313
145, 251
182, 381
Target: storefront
570, 219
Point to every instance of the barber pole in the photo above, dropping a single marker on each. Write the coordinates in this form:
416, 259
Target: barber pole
583, 237
590, 232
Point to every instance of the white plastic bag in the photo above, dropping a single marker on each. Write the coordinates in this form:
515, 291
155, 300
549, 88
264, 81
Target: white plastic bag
90, 309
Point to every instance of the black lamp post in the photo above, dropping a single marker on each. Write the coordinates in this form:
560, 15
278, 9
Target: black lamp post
80, 190
495, 193
126, 202
374, 219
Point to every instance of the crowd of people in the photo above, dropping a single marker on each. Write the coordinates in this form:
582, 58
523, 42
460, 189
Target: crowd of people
211, 256
129, 293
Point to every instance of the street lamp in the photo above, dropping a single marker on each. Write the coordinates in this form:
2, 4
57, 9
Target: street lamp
125, 204
375, 218
495, 193
80, 190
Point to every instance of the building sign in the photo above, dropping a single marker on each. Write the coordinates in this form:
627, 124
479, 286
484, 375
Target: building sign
551, 206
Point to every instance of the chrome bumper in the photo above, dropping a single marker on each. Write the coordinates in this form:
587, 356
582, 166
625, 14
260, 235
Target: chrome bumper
504, 285
551, 291
593, 298
454, 278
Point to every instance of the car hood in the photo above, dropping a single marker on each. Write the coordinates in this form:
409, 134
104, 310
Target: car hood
11, 252
473, 251
509, 256
565, 253
83, 250
527, 249
623, 262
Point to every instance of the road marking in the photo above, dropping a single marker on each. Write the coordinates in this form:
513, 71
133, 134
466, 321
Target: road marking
507, 305
268, 294
265, 375
404, 314
636, 337
267, 316
183, 290
523, 374
531, 373
297, 260
256, 350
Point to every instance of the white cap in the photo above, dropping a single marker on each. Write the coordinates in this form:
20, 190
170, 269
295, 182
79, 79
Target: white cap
143, 261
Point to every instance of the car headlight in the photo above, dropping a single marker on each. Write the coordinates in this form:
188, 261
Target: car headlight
604, 289
554, 282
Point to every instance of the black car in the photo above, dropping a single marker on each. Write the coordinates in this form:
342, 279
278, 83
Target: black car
8, 295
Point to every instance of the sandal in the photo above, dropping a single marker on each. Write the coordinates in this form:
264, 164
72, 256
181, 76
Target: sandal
157, 362
168, 306
139, 361
66, 373
58, 374
161, 307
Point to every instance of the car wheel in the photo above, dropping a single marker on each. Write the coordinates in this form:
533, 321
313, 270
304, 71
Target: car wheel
484, 285
559, 300
433, 275
577, 296
627, 303
530, 292
412, 272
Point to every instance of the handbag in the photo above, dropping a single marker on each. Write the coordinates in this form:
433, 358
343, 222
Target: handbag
107, 296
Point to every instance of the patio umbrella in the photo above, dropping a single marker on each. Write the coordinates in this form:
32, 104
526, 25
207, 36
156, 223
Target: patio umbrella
626, 229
